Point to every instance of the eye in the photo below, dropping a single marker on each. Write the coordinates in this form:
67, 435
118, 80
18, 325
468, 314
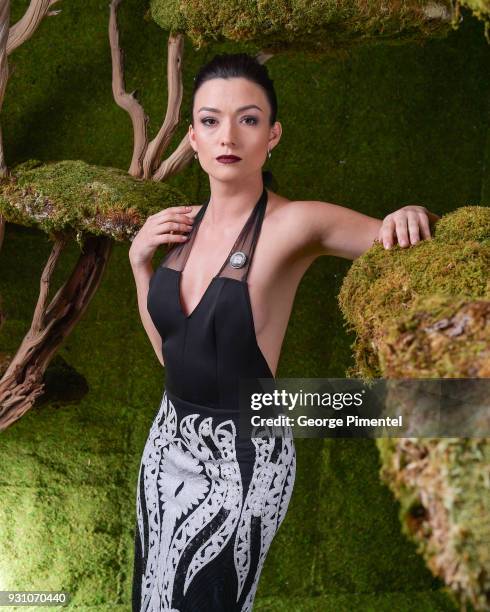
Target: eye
247, 120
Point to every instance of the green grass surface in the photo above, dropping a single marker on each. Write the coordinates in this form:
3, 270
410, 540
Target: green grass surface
384, 128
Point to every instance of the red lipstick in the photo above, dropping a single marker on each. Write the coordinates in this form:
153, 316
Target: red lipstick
228, 159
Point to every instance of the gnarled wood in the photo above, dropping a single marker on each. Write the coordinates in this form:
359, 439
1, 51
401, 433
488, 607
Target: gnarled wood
22, 382
29, 22
176, 162
158, 145
10, 39
146, 155
4, 71
4, 25
125, 100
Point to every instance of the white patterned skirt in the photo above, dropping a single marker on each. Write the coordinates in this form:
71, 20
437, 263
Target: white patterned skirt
208, 507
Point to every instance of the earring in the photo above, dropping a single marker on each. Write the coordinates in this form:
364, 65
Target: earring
195, 154
269, 153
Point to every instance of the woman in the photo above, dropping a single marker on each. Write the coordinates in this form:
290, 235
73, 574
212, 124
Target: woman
216, 311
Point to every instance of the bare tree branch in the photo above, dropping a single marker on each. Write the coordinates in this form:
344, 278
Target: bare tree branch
175, 88
176, 162
29, 22
127, 101
39, 312
4, 70
23, 381
10, 39
263, 56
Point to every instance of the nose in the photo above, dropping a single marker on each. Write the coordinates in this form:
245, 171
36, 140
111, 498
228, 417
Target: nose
227, 134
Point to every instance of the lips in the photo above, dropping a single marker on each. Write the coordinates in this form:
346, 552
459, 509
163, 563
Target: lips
228, 159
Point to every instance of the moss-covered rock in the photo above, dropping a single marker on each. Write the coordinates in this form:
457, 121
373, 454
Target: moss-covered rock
444, 493
466, 223
73, 196
442, 337
316, 26
424, 312
383, 286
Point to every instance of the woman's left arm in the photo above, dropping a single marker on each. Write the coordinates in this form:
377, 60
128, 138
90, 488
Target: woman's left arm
343, 232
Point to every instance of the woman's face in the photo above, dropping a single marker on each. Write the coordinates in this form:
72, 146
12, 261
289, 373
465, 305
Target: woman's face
223, 127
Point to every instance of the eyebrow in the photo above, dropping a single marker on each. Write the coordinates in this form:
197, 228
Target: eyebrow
242, 108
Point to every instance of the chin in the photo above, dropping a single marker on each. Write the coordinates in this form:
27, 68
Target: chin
228, 174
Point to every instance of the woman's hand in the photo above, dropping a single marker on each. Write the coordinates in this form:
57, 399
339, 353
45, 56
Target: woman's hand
407, 226
160, 228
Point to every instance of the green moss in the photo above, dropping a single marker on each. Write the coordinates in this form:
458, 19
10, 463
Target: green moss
382, 285
464, 224
76, 196
441, 336
371, 133
426, 601
446, 482
316, 26
424, 312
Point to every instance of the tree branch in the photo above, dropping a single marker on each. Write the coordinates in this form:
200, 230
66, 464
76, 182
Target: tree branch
263, 56
127, 101
40, 310
29, 22
11, 38
4, 70
159, 144
179, 159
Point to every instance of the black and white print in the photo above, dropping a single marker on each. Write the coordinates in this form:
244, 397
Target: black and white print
192, 504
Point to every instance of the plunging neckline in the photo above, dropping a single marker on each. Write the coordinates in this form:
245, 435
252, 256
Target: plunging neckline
196, 230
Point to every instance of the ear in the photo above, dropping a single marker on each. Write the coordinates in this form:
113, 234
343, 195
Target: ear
191, 135
275, 134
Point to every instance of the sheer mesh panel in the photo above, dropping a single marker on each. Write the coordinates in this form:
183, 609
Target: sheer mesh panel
177, 257
179, 252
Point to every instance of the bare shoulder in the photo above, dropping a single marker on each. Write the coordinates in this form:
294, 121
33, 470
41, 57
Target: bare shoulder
300, 222
302, 212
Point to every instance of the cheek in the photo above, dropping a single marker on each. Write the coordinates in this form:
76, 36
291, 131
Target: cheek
201, 136
258, 144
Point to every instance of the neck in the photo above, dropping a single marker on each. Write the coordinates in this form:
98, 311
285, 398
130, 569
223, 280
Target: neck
232, 201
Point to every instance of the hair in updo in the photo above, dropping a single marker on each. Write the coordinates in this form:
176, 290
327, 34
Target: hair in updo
230, 65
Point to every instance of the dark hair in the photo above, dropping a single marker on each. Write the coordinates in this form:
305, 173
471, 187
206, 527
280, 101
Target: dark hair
230, 65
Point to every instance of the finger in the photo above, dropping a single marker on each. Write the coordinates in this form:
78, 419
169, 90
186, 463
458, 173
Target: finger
181, 218
175, 238
167, 227
413, 227
402, 231
386, 232
172, 210
424, 226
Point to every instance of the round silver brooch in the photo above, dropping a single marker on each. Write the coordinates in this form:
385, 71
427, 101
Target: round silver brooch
238, 259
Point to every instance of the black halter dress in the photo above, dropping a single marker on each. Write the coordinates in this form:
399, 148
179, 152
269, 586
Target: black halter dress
208, 503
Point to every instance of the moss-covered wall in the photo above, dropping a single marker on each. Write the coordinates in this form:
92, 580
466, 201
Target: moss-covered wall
385, 127
316, 25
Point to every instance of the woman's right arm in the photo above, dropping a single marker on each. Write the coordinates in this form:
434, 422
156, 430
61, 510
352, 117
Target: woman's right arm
161, 228
142, 275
